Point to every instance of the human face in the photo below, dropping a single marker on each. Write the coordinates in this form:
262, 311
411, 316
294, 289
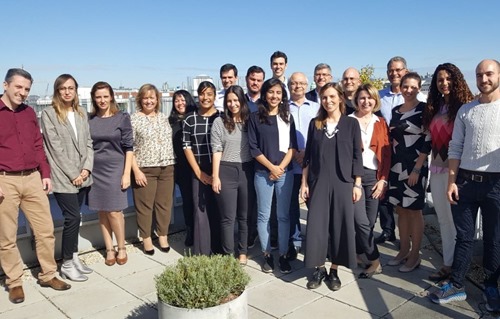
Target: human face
365, 103
102, 98
322, 77
207, 98
67, 91
233, 103
410, 89
254, 82
274, 96
278, 66
444, 82
298, 86
149, 102
228, 78
350, 81
487, 77
16, 91
180, 104
395, 72
330, 101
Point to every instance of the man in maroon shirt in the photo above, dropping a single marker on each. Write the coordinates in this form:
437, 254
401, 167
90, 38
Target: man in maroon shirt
24, 183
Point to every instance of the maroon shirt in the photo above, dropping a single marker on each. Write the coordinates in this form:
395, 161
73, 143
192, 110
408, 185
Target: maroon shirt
21, 144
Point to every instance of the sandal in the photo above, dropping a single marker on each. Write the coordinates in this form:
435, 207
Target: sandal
442, 274
110, 262
122, 261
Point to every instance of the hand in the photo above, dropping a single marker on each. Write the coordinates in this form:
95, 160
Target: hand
216, 185
78, 181
275, 172
356, 194
126, 181
47, 185
299, 157
413, 179
205, 178
304, 192
378, 189
453, 193
1, 193
140, 179
84, 174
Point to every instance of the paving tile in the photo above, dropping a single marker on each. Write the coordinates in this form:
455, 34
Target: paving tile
136, 262
92, 299
136, 309
140, 283
36, 310
421, 307
257, 277
328, 308
254, 313
31, 295
95, 279
279, 298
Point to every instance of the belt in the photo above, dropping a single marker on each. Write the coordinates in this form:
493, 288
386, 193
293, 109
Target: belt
25, 172
479, 177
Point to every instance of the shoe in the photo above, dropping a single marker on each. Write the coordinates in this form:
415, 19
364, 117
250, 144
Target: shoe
165, 249
243, 259
268, 265
291, 254
16, 294
448, 293
149, 252
274, 244
82, 268
252, 240
55, 283
69, 271
332, 280
369, 274
285, 267
492, 298
110, 262
317, 278
441, 275
406, 268
122, 261
385, 237
397, 262
189, 241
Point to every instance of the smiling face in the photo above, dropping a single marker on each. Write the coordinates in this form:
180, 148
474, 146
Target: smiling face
180, 104
149, 102
102, 99
207, 98
395, 72
487, 77
16, 91
233, 103
228, 78
67, 91
278, 66
365, 103
410, 89
350, 81
330, 101
274, 96
444, 82
298, 86
322, 77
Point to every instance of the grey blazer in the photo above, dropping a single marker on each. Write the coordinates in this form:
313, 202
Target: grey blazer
66, 153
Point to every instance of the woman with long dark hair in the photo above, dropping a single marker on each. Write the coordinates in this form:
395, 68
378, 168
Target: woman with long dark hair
447, 93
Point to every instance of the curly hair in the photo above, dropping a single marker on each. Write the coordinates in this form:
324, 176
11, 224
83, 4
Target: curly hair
459, 94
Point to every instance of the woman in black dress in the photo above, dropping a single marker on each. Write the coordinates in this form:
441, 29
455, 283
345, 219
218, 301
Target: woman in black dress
331, 183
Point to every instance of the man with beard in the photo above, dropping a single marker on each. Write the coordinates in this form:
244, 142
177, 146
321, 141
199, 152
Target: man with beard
322, 76
254, 78
473, 183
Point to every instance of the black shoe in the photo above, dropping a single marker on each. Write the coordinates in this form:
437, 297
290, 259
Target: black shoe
189, 241
274, 244
317, 278
285, 267
332, 281
291, 254
268, 265
385, 237
149, 252
252, 240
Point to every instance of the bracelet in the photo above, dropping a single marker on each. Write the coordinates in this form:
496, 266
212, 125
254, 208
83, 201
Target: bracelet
416, 170
358, 186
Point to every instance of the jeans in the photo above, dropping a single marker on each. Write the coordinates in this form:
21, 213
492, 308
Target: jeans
472, 196
265, 188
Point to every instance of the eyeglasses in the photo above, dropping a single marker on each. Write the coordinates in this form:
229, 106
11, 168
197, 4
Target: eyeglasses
324, 75
396, 70
298, 83
64, 89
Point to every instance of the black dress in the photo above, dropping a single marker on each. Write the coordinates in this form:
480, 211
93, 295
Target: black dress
409, 139
332, 164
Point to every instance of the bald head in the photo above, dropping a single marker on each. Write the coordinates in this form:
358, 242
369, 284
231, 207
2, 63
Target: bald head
298, 86
488, 79
350, 82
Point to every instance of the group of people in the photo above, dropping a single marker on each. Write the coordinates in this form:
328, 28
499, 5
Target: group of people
349, 151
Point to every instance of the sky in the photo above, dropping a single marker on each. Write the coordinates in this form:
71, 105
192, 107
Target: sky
128, 43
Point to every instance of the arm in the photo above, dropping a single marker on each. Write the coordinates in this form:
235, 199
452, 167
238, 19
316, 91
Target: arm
140, 178
201, 175
216, 184
422, 157
356, 190
304, 187
88, 165
129, 157
453, 165
127, 144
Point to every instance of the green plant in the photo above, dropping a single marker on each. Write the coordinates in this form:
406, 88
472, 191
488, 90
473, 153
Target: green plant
201, 281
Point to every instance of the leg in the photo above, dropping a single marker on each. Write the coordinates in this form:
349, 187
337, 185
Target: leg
202, 241
387, 223
404, 233
163, 203
182, 177
227, 202
70, 208
264, 189
283, 187
416, 226
117, 223
295, 207
105, 225
490, 207
144, 203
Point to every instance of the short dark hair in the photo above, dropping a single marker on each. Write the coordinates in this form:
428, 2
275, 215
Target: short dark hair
255, 69
16, 71
228, 67
279, 54
205, 85
411, 75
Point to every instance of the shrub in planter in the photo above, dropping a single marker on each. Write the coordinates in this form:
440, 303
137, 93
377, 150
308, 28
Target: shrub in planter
197, 282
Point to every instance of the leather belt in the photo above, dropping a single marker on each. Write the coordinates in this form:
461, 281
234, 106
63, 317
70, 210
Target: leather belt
478, 177
25, 172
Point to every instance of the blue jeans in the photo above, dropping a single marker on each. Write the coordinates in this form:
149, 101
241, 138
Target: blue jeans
472, 196
264, 189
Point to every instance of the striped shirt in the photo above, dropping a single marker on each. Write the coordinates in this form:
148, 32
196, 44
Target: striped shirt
234, 145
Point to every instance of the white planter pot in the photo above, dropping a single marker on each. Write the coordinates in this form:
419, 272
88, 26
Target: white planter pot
235, 309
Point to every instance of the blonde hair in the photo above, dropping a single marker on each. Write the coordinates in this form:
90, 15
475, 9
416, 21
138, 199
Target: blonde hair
58, 103
372, 92
142, 93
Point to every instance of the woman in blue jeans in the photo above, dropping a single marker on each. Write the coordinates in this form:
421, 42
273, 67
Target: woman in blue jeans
273, 141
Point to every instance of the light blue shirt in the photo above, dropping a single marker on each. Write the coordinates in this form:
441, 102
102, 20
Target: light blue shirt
389, 100
302, 116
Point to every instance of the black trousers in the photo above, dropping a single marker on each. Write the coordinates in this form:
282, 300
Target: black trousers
234, 202
182, 177
386, 215
70, 204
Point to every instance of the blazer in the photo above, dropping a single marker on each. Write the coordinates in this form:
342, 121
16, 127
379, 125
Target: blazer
66, 153
348, 150
380, 145
311, 96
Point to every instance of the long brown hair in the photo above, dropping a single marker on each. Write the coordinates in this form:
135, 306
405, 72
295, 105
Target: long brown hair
57, 101
320, 120
113, 108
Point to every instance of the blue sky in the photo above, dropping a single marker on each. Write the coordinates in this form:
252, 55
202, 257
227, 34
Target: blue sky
129, 43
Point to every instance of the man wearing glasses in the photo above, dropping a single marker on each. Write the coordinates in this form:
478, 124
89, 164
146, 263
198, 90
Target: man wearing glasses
322, 76
350, 83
